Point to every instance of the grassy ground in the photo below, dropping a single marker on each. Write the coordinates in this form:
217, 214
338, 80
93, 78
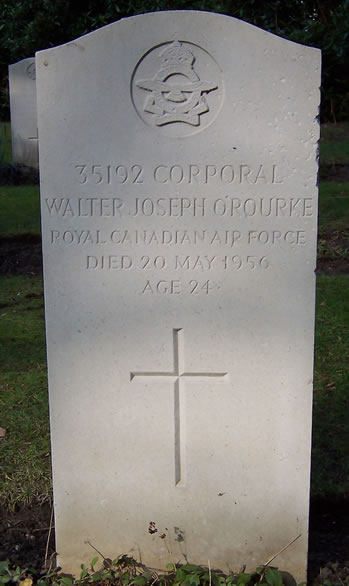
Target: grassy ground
23, 392
20, 207
333, 206
23, 388
334, 143
330, 462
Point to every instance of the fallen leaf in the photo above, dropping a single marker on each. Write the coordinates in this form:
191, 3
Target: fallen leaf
2, 432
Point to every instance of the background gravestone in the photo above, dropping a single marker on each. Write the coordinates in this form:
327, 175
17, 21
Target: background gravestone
179, 207
23, 113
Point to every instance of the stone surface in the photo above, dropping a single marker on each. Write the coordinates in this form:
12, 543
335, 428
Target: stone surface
179, 207
23, 113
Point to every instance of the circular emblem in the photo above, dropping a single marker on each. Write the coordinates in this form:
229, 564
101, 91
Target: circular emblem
177, 88
31, 73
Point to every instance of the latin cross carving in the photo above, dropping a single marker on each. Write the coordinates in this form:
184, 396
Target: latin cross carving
177, 376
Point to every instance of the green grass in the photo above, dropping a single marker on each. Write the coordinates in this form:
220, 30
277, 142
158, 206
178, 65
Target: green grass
20, 209
25, 475
334, 143
333, 206
331, 399
5, 143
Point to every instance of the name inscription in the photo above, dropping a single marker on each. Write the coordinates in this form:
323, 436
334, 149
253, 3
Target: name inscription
180, 207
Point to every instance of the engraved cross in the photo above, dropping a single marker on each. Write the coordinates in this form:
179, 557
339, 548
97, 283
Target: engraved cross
176, 377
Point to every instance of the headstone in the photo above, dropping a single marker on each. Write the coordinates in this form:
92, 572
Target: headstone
179, 207
23, 113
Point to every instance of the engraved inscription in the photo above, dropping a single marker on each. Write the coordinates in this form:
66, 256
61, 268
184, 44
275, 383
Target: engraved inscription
224, 174
178, 237
108, 174
221, 240
175, 207
183, 263
177, 376
176, 91
179, 286
176, 174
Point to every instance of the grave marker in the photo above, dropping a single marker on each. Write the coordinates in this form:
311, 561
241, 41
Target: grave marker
24, 131
179, 207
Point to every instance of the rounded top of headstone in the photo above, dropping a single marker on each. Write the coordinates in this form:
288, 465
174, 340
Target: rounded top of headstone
186, 19
27, 66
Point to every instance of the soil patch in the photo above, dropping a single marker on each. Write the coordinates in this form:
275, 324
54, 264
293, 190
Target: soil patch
18, 175
333, 252
24, 534
329, 266
328, 540
336, 172
21, 255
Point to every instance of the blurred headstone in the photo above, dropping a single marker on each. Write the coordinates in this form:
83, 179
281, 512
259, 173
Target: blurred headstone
24, 130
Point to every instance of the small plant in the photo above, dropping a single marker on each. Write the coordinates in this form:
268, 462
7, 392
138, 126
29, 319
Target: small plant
10, 575
192, 575
125, 571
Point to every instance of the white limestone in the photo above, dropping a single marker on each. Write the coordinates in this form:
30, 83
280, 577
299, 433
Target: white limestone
23, 113
179, 204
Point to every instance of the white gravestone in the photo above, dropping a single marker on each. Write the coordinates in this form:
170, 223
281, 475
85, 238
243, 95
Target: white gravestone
23, 113
179, 207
